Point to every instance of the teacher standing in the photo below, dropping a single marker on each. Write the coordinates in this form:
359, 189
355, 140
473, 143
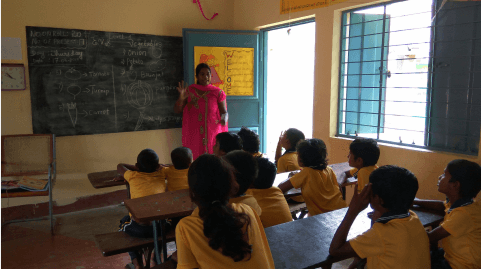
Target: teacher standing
204, 111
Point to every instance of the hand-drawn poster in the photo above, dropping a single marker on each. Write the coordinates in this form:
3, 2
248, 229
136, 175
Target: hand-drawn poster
232, 69
300, 5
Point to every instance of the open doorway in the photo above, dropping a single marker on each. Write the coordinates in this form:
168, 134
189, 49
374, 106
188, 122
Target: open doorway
290, 81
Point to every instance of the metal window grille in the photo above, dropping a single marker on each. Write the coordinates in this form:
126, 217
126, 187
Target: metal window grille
410, 73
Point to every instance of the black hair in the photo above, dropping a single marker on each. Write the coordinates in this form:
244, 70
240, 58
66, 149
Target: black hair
228, 141
245, 166
313, 153
294, 136
181, 157
267, 174
367, 149
468, 174
148, 161
396, 186
200, 67
211, 183
250, 140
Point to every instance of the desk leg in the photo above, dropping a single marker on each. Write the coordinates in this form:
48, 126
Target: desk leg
156, 242
164, 240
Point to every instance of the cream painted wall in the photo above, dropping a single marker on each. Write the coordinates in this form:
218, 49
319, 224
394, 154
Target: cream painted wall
426, 165
89, 153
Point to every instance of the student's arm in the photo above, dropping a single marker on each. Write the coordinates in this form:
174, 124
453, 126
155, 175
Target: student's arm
344, 176
437, 234
123, 167
285, 186
224, 116
279, 147
182, 101
339, 246
430, 204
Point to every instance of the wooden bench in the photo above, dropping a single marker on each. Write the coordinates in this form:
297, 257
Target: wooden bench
296, 208
120, 242
166, 265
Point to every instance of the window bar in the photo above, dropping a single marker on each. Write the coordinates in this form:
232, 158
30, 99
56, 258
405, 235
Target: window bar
360, 71
381, 71
429, 95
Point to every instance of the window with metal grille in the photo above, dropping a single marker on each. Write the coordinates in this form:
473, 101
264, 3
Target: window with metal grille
410, 74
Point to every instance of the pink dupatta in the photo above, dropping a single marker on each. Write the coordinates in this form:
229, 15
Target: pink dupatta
201, 119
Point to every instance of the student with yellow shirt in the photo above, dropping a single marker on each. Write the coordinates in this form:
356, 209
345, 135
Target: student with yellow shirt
245, 170
363, 156
176, 175
218, 234
397, 238
144, 180
288, 140
460, 232
317, 181
275, 209
250, 141
226, 142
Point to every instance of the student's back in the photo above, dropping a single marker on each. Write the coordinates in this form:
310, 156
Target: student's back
275, 209
176, 175
287, 162
363, 156
219, 235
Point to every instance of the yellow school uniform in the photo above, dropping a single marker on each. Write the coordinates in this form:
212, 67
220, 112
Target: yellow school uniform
275, 209
362, 175
193, 250
144, 184
463, 222
287, 162
319, 189
249, 200
176, 179
394, 241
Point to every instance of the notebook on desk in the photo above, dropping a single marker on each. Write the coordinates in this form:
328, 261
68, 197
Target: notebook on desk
33, 184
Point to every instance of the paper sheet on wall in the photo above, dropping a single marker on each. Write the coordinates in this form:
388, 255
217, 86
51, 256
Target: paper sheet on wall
300, 5
232, 69
11, 48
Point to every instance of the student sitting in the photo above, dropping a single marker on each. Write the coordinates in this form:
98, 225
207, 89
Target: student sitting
288, 140
245, 170
218, 234
275, 209
363, 156
226, 142
144, 179
397, 238
460, 232
177, 175
317, 181
250, 141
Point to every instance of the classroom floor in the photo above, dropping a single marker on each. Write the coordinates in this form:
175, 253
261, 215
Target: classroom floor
30, 245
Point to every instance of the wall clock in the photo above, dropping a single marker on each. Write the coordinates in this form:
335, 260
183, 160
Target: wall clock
13, 77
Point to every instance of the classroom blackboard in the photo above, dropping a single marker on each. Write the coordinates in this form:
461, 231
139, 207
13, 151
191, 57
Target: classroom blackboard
93, 82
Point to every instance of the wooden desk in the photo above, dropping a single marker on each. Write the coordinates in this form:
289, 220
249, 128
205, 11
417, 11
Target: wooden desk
160, 207
104, 179
304, 243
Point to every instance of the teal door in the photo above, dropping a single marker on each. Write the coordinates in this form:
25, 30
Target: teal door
244, 110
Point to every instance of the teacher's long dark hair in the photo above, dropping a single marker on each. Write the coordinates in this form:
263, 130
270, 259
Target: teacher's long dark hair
211, 183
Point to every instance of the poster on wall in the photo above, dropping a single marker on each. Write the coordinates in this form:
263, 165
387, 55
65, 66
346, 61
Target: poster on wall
289, 6
232, 69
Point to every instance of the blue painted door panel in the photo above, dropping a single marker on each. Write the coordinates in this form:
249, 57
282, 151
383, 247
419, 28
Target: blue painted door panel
243, 110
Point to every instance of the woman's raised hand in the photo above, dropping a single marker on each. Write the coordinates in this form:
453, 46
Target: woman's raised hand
182, 89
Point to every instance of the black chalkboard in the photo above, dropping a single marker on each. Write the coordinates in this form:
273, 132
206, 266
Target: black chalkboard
93, 82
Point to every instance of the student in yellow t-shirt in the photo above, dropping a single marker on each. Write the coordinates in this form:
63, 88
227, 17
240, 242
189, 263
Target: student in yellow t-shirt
250, 141
218, 234
288, 140
144, 180
176, 175
460, 232
317, 181
363, 156
397, 238
245, 171
275, 209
